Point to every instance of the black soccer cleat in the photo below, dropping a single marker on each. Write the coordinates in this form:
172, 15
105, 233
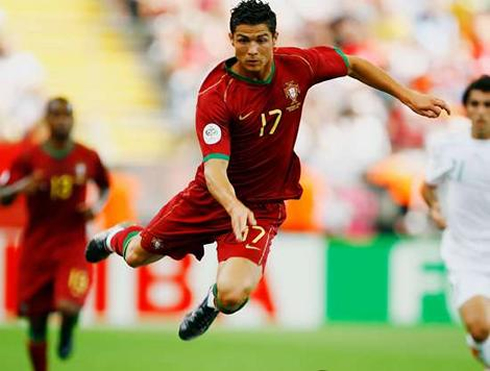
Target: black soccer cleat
65, 348
197, 322
97, 249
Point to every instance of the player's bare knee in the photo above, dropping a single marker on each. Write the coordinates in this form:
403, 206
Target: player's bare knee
231, 300
478, 328
479, 334
233, 295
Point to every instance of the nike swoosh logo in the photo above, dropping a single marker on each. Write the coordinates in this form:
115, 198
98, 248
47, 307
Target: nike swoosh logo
247, 246
241, 118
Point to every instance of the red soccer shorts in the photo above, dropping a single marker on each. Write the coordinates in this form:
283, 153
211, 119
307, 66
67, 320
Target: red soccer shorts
194, 218
45, 281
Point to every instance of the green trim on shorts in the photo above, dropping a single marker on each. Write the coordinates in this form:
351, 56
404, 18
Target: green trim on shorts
344, 57
220, 156
127, 240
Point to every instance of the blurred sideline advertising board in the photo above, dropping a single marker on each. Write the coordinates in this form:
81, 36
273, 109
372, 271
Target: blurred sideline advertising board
388, 279
308, 281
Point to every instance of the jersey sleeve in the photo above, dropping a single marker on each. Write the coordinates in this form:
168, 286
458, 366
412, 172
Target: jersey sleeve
101, 175
439, 164
212, 126
326, 63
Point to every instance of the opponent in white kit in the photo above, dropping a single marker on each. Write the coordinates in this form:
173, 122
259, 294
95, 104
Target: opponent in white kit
462, 162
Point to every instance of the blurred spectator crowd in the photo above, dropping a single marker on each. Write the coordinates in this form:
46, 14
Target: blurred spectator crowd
21, 88
363, 153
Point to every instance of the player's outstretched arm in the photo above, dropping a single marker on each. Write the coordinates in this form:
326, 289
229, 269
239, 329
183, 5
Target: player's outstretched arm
222, 190
10, 192
422, 104
90, 212
28, 185
429, 194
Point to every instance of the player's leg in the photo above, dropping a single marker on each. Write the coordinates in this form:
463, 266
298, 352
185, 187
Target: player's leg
237, 278
177, 221
69, 312
140, 246
239, 272
475, 314
471, 294
37, 343
125, 241
35, 302
72, 281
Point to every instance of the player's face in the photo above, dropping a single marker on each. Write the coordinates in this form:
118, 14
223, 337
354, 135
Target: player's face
60, 120
254, 46
478, 110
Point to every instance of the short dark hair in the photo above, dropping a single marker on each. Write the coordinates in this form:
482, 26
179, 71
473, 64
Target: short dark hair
253, 12
50, 106
482, 83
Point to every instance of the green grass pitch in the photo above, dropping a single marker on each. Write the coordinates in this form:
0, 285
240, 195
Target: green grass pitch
333, 348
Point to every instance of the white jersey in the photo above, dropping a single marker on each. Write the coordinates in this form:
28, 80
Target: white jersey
463, 164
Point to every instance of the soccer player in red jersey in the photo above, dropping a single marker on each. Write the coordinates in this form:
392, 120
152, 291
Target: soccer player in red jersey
53, 273
248, 114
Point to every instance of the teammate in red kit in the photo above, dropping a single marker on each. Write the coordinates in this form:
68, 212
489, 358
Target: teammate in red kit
53, 274
248, 114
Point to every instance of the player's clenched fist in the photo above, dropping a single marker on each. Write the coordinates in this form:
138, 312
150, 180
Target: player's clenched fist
427, 105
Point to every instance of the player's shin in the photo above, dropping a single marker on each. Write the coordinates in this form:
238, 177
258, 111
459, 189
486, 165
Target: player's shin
65, 344
37, 355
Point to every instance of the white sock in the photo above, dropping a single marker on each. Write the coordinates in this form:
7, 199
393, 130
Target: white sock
483, 349
210, 302
109, 237
486, 352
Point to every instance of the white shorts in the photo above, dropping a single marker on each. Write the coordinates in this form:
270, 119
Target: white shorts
468, 265
467, 284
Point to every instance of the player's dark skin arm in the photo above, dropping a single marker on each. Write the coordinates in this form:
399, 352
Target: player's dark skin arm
102, 201
222, 190
28, 184
90, 212
429, 194
369, 74
8, 194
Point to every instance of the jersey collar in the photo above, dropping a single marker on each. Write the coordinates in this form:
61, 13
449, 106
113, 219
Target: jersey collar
230, 62
58, 153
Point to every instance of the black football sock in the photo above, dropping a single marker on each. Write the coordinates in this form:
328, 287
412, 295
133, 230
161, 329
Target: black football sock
37, 343
68, 323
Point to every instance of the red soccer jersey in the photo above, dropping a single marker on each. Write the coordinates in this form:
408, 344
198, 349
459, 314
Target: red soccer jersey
255, 124
53, 223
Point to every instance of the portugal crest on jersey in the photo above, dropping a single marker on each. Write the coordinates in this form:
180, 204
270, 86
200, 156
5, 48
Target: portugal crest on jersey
157, 243
292, 92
